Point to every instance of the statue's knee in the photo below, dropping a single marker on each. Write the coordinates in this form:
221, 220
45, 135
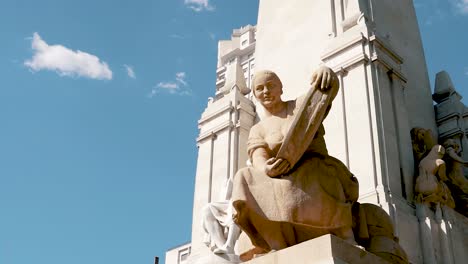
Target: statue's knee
207, 215
240, 175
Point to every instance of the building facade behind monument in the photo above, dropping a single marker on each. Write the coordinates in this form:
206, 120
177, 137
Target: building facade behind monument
224, 126
179, 254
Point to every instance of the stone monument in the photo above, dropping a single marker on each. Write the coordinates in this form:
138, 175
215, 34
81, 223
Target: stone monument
382, 126
295, 191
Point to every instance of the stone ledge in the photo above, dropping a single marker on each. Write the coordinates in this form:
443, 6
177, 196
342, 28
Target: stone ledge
326, 249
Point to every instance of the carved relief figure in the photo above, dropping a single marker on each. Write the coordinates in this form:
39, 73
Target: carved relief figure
457, 182
221, 233
279, 204
423, 141
373, 229
430, 186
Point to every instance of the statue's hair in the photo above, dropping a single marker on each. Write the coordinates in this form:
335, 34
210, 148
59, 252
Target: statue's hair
414, 132
451, 143
266, 72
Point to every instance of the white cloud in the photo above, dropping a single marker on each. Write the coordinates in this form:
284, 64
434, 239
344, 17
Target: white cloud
66, 62
462, 6
212, 35
180, 78
170, 86
178, 87
199, 5
176, 36
130, 71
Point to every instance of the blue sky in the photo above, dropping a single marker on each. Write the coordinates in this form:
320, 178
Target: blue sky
99, 102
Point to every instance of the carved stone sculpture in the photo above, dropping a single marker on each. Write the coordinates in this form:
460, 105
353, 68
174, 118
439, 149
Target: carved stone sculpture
457, 182
221, 233
295, 191
423, 141
374, 231
430, 187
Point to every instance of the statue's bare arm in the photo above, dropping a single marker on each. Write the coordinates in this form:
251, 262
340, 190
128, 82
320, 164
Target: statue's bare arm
453, 155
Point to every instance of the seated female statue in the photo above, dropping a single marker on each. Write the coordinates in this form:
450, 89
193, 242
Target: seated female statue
279, 205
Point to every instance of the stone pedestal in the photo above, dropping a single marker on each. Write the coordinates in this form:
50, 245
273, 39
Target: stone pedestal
326, 249
212, 258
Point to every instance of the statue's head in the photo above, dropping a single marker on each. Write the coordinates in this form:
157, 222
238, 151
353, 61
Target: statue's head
452, 143
437, 151
423, 138
267, 88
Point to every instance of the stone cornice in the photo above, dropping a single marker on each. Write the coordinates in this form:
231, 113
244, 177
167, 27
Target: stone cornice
225, 125
387, 57
237, 52
211, 116
350, 50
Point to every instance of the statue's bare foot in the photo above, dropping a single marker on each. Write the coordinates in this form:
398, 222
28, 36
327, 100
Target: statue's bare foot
252, 253
224, 250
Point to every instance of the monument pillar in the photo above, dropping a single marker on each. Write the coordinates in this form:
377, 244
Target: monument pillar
375, 48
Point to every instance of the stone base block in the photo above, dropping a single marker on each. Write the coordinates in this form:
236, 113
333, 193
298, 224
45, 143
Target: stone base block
326, 249
212, 258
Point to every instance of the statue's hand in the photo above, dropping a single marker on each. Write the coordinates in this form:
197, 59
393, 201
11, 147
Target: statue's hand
323, 78
276, 167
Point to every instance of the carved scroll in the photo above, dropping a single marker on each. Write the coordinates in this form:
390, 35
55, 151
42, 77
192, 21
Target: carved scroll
306, 123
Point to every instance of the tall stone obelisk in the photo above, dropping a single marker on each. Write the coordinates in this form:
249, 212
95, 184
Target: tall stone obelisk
375, 47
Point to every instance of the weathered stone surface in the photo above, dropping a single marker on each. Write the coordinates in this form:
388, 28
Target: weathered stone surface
295, 191
212, 258
221, 233
306, 123
430, 187
280, 204
326, 249
456, 180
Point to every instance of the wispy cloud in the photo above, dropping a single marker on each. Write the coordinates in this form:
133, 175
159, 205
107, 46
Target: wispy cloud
176, 36
212, 35
180, 78
461, 5
178, 86
130, 71
199, 5
66, 62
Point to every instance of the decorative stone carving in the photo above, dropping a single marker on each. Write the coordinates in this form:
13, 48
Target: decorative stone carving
294, 190
423, 141
356, 13
457, 182
221, 233
234, 80
373, 229
430, 187
437, 180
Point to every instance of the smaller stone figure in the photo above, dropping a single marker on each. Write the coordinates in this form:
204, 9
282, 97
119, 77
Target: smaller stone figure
457, 182
423, 141
430, 186
221, 233
373, 230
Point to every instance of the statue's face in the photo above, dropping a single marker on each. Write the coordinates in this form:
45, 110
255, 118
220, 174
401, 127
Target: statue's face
421, 133
456, 148
267, 90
